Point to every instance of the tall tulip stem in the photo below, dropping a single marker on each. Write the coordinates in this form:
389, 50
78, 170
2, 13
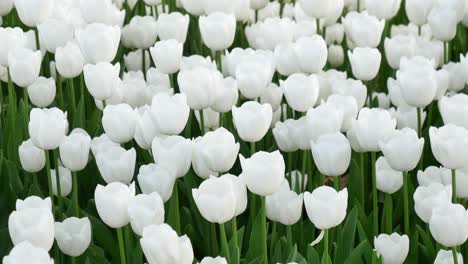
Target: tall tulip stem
454, 186
72, 98
455, 255
264, 231
304, 167
143, 63
49, 180
325, 247
234, 231
224, 243
363, 178
218, 54
375, 207
123, 260
405, 202
11, 101
75, 194
60, 92
202, 122
289, 236
58, 183
26, 111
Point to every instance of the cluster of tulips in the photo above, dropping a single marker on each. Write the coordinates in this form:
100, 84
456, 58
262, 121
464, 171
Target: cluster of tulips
233, 131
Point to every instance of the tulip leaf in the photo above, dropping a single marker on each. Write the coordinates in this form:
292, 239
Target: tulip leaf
79, 117
326, 258
413, 256
312, 255
255, 245
427, 242
95, 254
363, 249
346, 243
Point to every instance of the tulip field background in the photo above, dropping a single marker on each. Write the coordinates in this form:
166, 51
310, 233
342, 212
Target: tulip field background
214, 145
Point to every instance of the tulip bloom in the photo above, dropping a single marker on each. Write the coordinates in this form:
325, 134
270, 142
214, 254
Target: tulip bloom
427, 198
73, 235
145, 210
392, 248
26, 252
332, 154
252, 120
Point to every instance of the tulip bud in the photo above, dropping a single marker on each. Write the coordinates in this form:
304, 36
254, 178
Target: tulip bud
284, 206
240, 193
161, 244
461, 177
417, 79
219, 150
133, 61
167, 55
33, 202
388, 180
454, 109
73, 235
407, 116
443, 22
140, 33
210, 260
6, 7
145, 210
198, 162
101, 79
228, 95
54, 33
449, 225
301, 91
253, 76
427, 198
432, 174
311, 53
119, 122
116, 164
216, 200
449, 145
418, 10
31, 157
335, 55
402, 149
74, 150
101, 143
331, 215
112, 203
146, 129
210, 117
392, 248
252, 120
65, 180
365, 63
263, 173
174, 153
35, 225
446, 257
373, 125
457, 77
218, 30
24, 65
362, 29
398, 47
26, 252
319, 9
173, 26
47, 127
327, 163
102, 12
98, 42
153, 178
199, 85
42, 92
354, 88
283, 136
348, 106
33, 13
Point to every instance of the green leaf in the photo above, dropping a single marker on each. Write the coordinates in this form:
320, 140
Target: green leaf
427, 242
346, 243
312, 255
95, 254
387, 214
363, 249
255, 245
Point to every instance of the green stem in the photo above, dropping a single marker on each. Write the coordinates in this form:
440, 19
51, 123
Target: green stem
35, 182
218, 60
59, 91
75, 194
26, 111
143, 62
58, 183
175, 196
234, 231
123, 259
304, 167
49, 180
405, 202
73, 260
419, 122
214, 242
363, 177
289, 236
337, 183
224, 243
202, 122
325, 247
264, 231
72, 98
455, 255
454, 186
375, 206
